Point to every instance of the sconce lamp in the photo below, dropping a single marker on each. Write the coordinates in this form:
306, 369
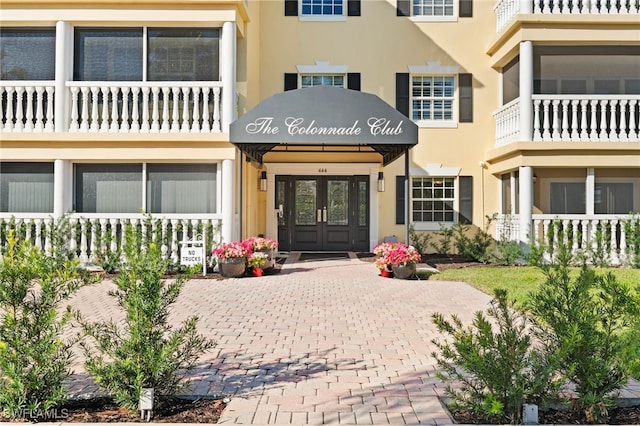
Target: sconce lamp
380, 182
263, 181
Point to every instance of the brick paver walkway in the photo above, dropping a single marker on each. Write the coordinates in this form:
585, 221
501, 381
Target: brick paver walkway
322, 342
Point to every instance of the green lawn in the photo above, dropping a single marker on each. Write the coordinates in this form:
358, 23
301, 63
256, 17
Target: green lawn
520, 280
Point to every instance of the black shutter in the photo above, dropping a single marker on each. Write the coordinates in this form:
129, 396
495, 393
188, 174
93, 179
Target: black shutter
466, 200
465, 81
402, 93
400, 201
353, 8
290, 7
465, 8
290, 81
403, 8
353, 81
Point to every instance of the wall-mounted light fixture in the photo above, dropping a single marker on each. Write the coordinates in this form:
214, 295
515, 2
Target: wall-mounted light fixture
380, 182
263, 181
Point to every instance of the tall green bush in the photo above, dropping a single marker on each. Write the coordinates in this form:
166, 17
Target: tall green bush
34, 357
582, 321
497, 369
148, 352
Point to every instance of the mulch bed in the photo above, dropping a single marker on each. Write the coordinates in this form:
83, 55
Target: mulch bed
617, 416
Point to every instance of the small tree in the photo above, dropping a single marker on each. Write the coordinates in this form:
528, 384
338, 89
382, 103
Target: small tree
498, 370
582, 321
148, 352
34, 358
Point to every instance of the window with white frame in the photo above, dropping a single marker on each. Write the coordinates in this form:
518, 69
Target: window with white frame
433, 199
170, 54
322, 7
432, 98
322, 80
432, 8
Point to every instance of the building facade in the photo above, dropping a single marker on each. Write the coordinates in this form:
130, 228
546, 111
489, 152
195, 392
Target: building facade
206, 113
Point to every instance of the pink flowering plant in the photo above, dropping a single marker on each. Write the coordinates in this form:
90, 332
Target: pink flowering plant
261, 243
395, 254
233, 249
403, 254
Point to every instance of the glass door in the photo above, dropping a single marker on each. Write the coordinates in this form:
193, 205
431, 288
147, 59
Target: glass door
323, 213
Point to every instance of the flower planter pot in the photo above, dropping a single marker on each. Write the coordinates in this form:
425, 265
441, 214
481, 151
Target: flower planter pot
386, 273
233, 267
404, 272
257, 272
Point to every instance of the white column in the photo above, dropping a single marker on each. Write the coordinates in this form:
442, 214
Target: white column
526, 91
228, 74
228, 189
63, 67
59, 179
526, 6
526, 204
590, 190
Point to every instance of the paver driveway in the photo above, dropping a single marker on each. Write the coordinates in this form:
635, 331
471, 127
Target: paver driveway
322, 342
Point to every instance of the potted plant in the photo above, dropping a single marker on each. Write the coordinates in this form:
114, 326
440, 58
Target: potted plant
256, 263
232, 258
382, 262
403, 259
264, 245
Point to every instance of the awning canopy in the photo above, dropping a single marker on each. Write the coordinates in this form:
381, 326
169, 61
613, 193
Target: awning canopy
315, 119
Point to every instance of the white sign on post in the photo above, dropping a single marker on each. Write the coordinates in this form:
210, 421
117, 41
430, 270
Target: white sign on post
193, 253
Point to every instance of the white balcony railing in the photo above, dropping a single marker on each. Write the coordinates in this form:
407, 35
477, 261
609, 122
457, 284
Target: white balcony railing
92, 235
594, 235
122, 107
586, 118
506, 10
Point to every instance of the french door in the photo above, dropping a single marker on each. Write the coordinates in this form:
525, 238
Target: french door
323, 213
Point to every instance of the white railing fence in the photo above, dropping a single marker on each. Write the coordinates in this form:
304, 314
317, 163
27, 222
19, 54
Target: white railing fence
94, 238
586, 118
27, 106
579, 118
602, 239
507, 120
113, 107
506, 10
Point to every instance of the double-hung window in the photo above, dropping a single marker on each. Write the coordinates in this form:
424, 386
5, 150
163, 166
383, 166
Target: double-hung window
433, 199
432, 98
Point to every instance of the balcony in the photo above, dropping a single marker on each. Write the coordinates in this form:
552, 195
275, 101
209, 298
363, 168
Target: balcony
506, 10
111, 107
578, 118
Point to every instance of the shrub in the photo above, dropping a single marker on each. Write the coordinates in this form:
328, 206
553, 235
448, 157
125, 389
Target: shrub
475, 247
34, 357
420, 241
497, 370
148, 352
443, 245
632, 231
581, 321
